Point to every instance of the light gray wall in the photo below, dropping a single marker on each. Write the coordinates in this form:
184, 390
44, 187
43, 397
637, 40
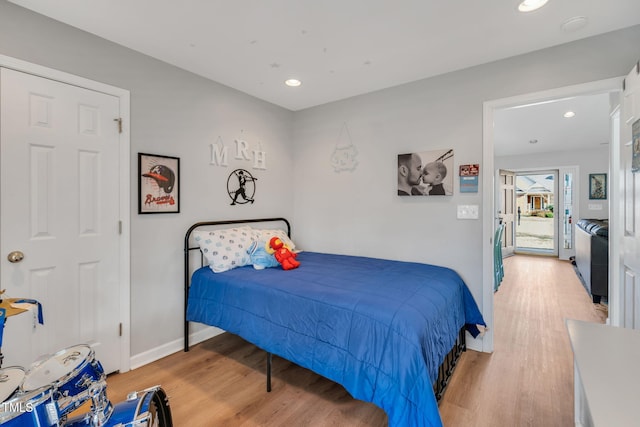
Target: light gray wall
588, 161
177, 113
174, 113
359, 212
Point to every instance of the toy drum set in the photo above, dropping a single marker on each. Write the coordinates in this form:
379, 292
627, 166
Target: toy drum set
53, 388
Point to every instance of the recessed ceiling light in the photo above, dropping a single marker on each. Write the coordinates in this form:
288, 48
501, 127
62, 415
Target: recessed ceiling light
293, 82
569, 114
531, 5
574, 24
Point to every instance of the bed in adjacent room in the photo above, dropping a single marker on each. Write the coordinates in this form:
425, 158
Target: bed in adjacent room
388, 331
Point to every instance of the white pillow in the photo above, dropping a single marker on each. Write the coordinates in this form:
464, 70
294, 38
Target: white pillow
225, 249
264, 235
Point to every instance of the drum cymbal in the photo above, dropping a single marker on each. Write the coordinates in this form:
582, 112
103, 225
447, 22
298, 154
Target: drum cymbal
7, 304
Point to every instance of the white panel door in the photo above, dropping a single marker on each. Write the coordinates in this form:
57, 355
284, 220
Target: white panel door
630, 286
59, 206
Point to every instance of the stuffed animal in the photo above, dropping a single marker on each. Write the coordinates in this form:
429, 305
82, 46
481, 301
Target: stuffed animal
262, 256
283, 254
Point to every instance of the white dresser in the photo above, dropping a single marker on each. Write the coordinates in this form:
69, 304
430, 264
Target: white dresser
606, 374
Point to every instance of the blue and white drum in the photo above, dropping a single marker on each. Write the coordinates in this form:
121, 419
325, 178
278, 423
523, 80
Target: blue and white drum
74, 375
148, 408
35, 408
11, 379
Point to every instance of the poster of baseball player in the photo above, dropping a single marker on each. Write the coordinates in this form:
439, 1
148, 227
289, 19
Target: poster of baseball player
158, 184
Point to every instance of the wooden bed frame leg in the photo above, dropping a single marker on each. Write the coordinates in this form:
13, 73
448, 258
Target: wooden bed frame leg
269, 357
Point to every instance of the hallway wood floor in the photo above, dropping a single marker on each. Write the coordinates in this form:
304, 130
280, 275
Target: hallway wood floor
527, 381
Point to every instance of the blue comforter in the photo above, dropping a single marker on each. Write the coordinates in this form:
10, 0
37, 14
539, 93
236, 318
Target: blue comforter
380, 328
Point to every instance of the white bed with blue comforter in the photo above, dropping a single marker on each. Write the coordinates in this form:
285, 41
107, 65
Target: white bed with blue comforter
380, 328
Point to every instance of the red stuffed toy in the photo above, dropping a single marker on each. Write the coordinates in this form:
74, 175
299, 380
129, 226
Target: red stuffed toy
283, 254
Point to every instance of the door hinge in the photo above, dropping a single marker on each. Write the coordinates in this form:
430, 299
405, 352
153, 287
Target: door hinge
119, 120
120, 330
119, 227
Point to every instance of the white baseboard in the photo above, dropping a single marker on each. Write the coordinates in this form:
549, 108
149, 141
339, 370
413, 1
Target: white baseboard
474, 344
164, 350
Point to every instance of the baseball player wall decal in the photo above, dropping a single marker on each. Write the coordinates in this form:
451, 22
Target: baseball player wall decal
242, 189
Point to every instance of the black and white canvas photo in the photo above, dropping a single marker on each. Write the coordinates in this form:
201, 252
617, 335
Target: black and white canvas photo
426, 173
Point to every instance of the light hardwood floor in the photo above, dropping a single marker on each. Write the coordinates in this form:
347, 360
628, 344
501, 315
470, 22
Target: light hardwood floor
527, 381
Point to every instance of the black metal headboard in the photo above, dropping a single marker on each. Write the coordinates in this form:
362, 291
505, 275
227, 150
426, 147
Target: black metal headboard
188, 249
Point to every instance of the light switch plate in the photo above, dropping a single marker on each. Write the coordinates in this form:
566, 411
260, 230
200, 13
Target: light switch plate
468, 211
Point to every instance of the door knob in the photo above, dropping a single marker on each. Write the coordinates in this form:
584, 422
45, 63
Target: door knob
15, 256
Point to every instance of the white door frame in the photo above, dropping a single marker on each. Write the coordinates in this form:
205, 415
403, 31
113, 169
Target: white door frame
616, 223
124, 184
556, 191
562, 253
600, 86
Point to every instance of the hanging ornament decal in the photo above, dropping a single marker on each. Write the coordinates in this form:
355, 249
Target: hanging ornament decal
344, 154
241, 187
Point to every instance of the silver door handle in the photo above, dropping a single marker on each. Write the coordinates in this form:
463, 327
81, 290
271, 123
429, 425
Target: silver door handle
15, 256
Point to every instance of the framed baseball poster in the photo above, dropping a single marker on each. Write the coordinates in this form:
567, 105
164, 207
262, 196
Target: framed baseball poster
158, 184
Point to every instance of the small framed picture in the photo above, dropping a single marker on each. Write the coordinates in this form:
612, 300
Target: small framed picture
597, 186
158, 184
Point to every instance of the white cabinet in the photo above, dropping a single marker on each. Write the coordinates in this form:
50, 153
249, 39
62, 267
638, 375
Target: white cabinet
607, 374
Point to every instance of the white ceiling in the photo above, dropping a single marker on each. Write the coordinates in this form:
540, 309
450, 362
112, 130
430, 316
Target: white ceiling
342, 48
545, 123
338, 48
